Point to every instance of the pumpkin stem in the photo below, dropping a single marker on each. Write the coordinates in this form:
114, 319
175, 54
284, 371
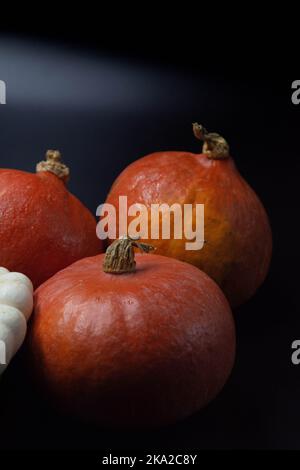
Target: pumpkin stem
215, 146
119, 256
54, 164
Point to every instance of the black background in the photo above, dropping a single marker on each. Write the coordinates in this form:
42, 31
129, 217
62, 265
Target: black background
150, 94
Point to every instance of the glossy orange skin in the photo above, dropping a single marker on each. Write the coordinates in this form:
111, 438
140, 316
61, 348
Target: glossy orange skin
238, 246
140, 349
43, 228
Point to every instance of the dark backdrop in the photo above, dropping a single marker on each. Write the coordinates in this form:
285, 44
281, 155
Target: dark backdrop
103, 107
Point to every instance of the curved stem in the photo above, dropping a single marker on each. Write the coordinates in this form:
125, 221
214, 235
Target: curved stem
119, 256
215, 146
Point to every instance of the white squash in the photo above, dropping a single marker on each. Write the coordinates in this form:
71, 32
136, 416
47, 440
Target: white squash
16, 304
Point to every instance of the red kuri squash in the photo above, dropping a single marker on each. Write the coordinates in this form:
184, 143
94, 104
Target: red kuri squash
142, 348
238, 237
43, 227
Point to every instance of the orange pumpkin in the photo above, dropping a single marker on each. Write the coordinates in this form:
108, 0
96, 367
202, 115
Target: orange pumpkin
238, 237
142, 348
43, 227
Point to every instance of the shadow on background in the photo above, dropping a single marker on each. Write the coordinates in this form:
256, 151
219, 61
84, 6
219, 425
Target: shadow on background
102, 113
